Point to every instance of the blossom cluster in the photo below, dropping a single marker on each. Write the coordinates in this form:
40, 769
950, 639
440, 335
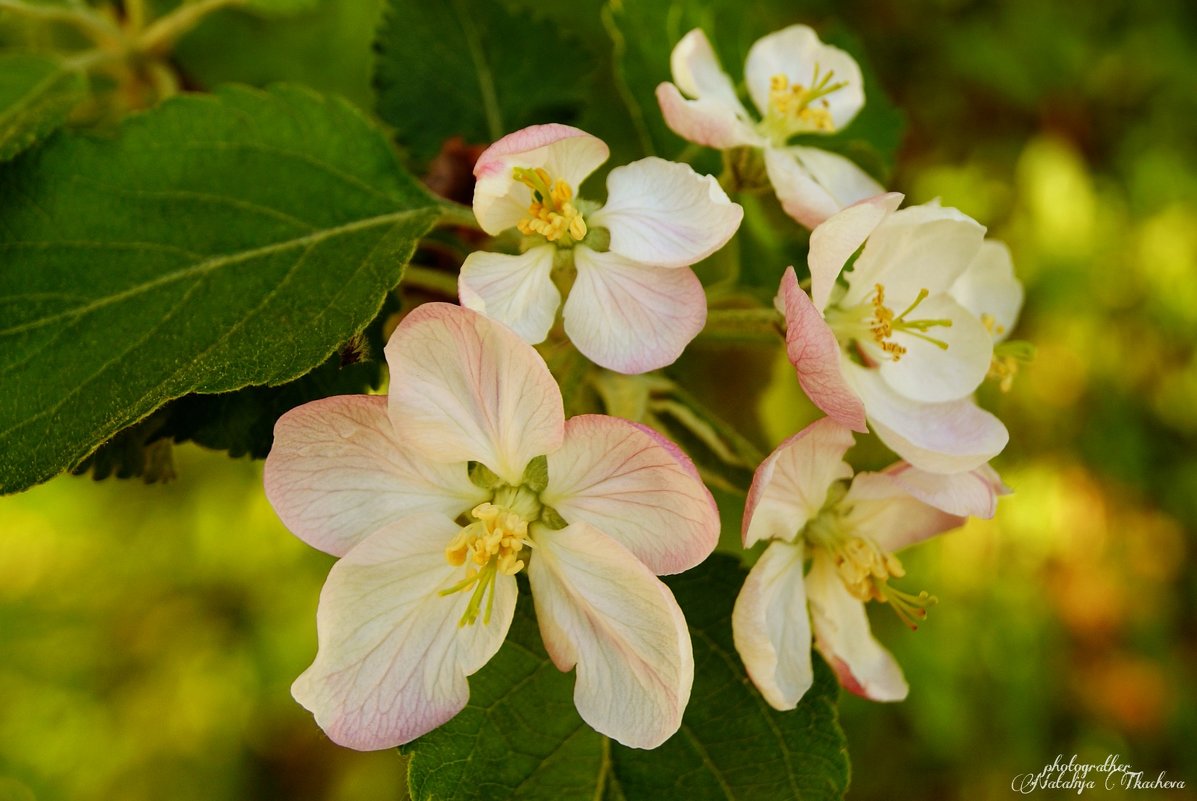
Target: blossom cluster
468, 474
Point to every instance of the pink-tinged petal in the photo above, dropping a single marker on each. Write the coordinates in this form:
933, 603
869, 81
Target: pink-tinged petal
515, 290
813, 185
813, 350
337, 473
697, 72
566, 153
703, 120
664, 214
919, 247
393, 661
881, 509
795, 52
466, 388
833, 242
989, 287
602, 610
631, 318
971, 494
927, 372
790, 486
950, 437
635, 487
771, 627
843, 636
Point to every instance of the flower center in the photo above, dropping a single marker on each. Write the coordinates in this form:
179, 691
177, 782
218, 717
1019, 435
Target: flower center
794, 108
551, 213
864, 567
875, 322
491, 545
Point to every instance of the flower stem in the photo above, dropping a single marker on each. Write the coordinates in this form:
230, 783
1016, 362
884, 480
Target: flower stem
431, 280
459, 215
754, 325
163, 33
95, 25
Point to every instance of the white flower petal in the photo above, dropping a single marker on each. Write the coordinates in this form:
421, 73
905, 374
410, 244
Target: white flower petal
515, 290
566, 153
697, 72
882, 509
791, 485
989, 287
813, 185
705, 121
834, 241
795, 52
601, 609
664, 214
464, 387
949, 437
393, 661
920, 247
974, 493
812, 348
631, 318
771, 626
337, 473
637, 488
843, 636
931, 374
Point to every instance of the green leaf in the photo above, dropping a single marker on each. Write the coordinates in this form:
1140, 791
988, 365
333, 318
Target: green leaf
521, 738
472, 68
36, 95
326, 48
242, 238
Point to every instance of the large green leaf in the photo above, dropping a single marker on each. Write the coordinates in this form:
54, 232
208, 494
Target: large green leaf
36, 95
475, 69
243, 238
521, 738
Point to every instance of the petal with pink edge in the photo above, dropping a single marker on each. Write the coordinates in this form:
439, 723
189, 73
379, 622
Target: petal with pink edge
950, 437
881, 509
664, 214
337, 473
834, 241
771, 627
602, 610
971, 494
466, 388
812, 348
843, 636
813, 185
796, 52
631, 318
791, 485
566, 153
697, 72
635, 487
392, 661
515, 290
703, 120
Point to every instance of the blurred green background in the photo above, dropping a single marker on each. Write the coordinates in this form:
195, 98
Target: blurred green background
150, 634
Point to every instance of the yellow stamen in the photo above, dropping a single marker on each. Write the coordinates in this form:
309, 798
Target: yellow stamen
866, 571
492, 544
551, 213
884, 323
794, 108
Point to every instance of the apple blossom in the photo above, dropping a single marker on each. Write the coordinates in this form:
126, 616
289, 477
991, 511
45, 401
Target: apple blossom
799, 503
989, 289
893, 345
635, 303
800, 86
435, 497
